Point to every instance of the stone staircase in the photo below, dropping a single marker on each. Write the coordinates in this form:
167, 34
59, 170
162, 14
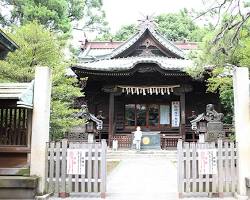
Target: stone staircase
133, 154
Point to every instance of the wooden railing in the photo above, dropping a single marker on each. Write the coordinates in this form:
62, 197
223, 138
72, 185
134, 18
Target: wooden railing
13, 126
169, 141
124, 140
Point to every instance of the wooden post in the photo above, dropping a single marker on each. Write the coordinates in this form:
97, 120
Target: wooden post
180, 168
103, 169
220, 168
111, 116
29, 132
183, 115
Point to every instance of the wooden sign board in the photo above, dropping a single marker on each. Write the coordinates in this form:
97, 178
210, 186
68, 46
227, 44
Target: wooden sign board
76, 161
207, 161
175, 113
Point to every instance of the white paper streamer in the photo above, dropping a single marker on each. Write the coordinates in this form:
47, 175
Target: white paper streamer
144, 90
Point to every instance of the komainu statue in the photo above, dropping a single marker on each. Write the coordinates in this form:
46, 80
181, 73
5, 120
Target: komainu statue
212, 114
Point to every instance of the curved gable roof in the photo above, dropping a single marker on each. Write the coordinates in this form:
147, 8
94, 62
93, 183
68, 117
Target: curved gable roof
121, 59
165, 43
125, 64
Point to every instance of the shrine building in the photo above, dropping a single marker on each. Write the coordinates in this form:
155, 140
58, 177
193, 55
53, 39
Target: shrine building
142, 82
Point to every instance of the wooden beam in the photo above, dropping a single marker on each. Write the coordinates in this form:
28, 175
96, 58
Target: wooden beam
111, 116
183, 114
14, 149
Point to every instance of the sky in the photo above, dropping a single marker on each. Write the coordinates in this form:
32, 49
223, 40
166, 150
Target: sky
120, 12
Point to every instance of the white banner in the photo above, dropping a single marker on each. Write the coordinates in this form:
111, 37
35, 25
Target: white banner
175, 113
164, 114
76, 161
207, 161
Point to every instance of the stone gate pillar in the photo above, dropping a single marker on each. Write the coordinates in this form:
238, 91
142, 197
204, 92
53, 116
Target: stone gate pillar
40, 124
242, 126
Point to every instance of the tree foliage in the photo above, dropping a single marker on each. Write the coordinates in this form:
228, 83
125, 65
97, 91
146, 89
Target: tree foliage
231, 17
54, 14
179, 26
174, 26
40, 47
94, 17
58, 15
222, 56
122, 34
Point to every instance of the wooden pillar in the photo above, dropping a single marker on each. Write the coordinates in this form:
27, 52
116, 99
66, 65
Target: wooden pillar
29, 132
183, 114
111, 116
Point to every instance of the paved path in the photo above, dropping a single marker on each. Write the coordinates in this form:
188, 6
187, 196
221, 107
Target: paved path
143, 178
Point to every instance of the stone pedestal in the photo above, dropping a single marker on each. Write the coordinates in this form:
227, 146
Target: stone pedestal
214, 131
201, 138
91, 137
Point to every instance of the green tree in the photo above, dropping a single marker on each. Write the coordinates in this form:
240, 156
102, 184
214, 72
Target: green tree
38, 46
58, 15
122, 34
179, 26
54, 14
221, 57
94, 17
174, 26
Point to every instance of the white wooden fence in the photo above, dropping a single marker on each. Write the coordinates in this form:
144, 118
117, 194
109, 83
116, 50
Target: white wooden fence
94, 179
192, 182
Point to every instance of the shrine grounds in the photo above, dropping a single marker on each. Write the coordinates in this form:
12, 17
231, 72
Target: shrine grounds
142, 177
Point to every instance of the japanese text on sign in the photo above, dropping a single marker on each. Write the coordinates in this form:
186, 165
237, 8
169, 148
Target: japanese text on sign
76, 161
207, 161
175, 113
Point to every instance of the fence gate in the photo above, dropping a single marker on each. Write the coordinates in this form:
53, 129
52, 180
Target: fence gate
207, 169
90, 173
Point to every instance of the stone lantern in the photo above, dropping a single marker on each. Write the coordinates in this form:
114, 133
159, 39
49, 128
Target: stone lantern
209, 125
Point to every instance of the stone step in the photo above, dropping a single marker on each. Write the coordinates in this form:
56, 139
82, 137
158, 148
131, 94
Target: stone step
123, 154
142, 152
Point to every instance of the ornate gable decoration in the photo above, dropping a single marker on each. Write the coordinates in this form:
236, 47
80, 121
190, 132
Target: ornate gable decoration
147, 28
147, 23
147, 51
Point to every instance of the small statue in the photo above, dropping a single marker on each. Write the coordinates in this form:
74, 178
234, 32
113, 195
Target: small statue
212, 115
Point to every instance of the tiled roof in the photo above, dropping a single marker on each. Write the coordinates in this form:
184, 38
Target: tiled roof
99, 50
108, 56
124, 64
7, 42
164, 42
110, 45
21, 92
